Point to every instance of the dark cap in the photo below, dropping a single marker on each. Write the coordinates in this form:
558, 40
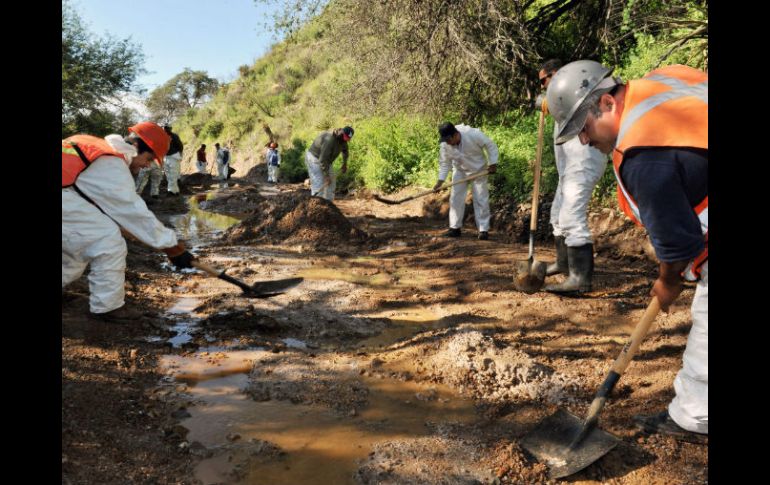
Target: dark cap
446, 131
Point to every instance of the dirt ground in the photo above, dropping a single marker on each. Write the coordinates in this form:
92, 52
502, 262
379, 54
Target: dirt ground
389, 311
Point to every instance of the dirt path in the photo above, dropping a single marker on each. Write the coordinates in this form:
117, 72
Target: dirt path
403, 359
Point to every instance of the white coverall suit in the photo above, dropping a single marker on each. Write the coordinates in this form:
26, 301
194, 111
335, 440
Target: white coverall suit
90, 237
272, 170
316, 174
467, 158
580, 167
154, 174
690, 407
221, 165
172, 166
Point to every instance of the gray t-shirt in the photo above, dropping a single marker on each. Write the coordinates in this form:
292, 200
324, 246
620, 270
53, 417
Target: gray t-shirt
327, 147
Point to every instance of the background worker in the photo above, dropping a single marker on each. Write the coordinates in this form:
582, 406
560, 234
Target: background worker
656, 128
580, 168
319, 158
172, 162
462, 147
200, 159
273, 162
98, 201
223, 160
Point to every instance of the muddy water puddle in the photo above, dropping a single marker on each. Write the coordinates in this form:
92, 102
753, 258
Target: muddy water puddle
197, 226
312, 444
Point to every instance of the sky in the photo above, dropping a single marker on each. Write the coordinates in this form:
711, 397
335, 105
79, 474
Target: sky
216, 36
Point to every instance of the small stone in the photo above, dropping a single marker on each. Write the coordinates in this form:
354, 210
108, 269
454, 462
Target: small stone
233, 437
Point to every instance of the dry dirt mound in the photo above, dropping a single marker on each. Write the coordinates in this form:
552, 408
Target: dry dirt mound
196, 180
296, 218
486, 369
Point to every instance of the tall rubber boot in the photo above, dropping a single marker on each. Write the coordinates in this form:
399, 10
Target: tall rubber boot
581, 270
560, 266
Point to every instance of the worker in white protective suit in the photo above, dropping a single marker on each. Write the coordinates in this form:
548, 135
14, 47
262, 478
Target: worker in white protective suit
223, 161
321, 155
173, 161
273, 159
98, 201
462, 147
580, 168
656, 129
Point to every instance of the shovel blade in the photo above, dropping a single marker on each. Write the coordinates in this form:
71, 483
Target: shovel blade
550, 443
530, 275
272, 288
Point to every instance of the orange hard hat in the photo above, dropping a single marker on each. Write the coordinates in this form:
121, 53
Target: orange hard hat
154, 136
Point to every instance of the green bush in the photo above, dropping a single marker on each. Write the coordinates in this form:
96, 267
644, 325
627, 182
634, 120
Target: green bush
293, 162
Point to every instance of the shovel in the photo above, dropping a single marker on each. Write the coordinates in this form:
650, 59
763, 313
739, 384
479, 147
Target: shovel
260, 289
567, 443
428, 192
530, 274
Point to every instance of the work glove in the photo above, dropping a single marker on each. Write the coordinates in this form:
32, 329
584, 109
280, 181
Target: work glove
438, 185
344, 167
492, 169
179, 256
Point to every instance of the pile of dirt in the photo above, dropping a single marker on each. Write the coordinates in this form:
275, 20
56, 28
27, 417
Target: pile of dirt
486, 369
247, 201
436, 206
296, 218
203, 180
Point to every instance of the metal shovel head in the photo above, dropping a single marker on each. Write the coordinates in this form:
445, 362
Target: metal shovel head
530, 275
264, 289
550, 444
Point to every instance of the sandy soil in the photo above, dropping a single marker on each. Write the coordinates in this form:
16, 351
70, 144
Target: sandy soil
397, 302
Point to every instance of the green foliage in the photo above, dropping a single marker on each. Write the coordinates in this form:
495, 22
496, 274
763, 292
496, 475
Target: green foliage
187, 90
293, 161
95, 71
212, 129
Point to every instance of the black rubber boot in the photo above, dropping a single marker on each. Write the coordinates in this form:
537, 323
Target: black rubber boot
560, 266
452, 232
662, 423
580, 260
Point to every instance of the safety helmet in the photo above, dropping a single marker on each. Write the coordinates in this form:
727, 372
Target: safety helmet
154, 136
347, 133
273, 144
568, 89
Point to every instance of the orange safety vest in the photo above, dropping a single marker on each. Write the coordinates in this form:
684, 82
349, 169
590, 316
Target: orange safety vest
666, 108
78, 152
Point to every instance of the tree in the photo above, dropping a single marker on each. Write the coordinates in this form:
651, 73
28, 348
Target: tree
95, 71
187, 90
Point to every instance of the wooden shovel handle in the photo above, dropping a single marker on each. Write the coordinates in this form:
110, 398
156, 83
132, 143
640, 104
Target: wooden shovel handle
208, 269
536, 170
640, 331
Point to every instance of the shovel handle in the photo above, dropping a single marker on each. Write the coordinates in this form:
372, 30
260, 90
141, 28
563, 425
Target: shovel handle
618, 367
208, 269
443, 187
536, 172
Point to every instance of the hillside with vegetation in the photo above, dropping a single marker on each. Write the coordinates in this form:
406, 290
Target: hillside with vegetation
394, 70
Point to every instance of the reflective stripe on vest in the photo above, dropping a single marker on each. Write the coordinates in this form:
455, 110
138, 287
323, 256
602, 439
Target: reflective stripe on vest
78, 152
647, 121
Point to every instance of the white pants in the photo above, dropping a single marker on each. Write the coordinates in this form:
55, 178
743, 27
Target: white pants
154, 173
316, 174
222, 170
272, 173
480, 201
171, 165
90, 237
580, 167
201, 166
690, 407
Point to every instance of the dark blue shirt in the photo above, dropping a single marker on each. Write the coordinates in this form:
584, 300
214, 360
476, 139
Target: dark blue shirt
666, 184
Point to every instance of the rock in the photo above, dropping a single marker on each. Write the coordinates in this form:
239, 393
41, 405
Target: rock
233, 437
